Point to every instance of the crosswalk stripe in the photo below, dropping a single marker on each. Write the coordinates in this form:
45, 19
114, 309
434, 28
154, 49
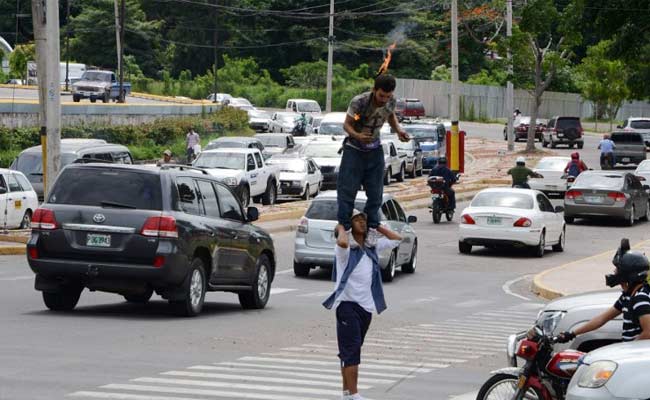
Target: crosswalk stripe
307, 356
251, 378
302, 350
434, 349
199, 392
479, 324
336, 370
292, 372
512, 321
442, 342
245, 386
416, 348
127, 396
330, 363
456, 337
281, 290
479, 327
527, 316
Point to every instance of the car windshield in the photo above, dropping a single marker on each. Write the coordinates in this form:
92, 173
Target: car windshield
503, 200
552, 164
31, 164
273, 141
315, 122
308, 107
323, 150
257, 114
627, 137
410, 145
421, 132
523, 120
331, 128
96, 76
136, 189
287, 118
640, 124
288, 165
221, 160
599, 181
327, 209
226, 144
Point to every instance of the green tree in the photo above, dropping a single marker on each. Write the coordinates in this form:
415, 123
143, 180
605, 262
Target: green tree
441, 73
18, 60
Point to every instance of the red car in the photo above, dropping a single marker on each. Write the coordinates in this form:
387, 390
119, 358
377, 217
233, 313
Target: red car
409, 108
521, 125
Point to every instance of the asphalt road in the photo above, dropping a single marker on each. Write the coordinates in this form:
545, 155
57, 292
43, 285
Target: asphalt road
8, 94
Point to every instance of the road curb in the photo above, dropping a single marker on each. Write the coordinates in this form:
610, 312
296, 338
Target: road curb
12, 250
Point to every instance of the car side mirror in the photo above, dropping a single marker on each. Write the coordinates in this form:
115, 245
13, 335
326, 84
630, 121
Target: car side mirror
252, 214
559, 209
412, 219
3, 190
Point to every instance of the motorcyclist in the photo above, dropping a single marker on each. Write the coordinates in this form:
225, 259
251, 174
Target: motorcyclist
442, 170
606, 147
301, 125
520, 174
634, 303
575, 166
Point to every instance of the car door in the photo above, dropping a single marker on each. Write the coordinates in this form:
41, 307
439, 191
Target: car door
549, 216
16, 201
391, 220
263, 173
635, 189
548, 132
252, 175
313, 176
3, 200
31, 198
406, 231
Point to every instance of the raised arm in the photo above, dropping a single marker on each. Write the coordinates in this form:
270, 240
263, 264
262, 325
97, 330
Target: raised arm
389, 234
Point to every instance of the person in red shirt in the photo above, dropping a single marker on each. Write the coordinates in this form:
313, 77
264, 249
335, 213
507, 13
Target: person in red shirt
576, 165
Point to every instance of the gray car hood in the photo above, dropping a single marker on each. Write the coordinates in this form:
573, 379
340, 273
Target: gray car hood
620, 352
599, 298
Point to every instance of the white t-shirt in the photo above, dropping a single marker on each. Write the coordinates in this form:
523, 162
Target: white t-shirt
357, 289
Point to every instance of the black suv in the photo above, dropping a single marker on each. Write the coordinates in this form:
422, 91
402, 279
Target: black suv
563, 130
133, 230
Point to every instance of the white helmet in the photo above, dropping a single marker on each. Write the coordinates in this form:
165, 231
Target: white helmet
521, 160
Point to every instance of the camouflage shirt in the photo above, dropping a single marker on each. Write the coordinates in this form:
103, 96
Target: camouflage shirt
368, 118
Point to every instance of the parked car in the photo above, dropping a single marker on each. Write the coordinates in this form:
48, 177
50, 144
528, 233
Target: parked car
283, 122
394, 163
235, 142
409, 108
431, 139
221, 97
641, 125
552, 170
563, 130
241, 103
325, 151
18, 200
258, 120
511, 217
244, 171
616, 372
276, 143
630, 147
413, 153
617, 194
30, 161
521, 125
303, 106
172, 230
313, 126
332, 124
642, 172
314, 243
98, 85
299, 176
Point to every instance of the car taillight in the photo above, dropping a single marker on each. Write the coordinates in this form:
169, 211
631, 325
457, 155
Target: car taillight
158, 261
617, 196
303, 226
164, 226
467, 219
44, 218
523, 222
33, 253
573, 194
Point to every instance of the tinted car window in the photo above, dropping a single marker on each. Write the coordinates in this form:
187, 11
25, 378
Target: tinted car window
258, 158
136, 189
566, 123
24, 183
627, 137
250, 163
400, 212
599, 181
389, 211
327, 209
31, 164
14, 186
122, 158
2, 182
544, 203
644, 124
209, 199
228, 203
100, 156
188, 196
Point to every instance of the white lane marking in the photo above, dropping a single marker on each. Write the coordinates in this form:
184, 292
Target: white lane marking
201, 392
418, 349
465, 396
439, 349
441, 342
284, 271
336, 363
307, 356
250, 378
447, 333
473, 303
18, 278
334, 377
321, 370
126, 396
315, 294
427, 300
281, 290
506, 287
228, 385
380, 357
480, 326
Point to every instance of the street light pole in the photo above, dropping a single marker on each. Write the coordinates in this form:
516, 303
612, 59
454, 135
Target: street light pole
330, 59
509, 86
67, 46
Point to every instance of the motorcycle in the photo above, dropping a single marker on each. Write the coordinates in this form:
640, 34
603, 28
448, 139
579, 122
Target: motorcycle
607, 161
300, 129
439, 199
544, 376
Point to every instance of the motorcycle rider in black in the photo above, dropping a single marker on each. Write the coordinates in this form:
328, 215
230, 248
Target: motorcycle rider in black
442, 170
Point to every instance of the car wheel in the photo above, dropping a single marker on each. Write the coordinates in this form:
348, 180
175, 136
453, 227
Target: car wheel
569, 220
571, 145
76, 98
106, 98
388, 273
544, 142
140, 298
268, 198
630, 220
412, 264
464, 248
400, 176
388, 176
561, 243
301, 270
26, 222
646, 216
64, 300
539, 249
414, 170
194, 291
245, 196
260, 291
420, 171
307, 194
581, 145
553, 145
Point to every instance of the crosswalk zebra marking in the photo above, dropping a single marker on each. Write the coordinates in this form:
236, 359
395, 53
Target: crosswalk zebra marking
383, 360
321, 370
335, 363
252, 378
381, 356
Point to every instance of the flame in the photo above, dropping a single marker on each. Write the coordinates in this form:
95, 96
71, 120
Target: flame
389, 55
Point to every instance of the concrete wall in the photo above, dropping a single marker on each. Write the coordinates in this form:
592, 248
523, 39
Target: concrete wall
489, 101
14, 115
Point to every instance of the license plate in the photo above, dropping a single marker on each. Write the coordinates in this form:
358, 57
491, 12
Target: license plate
625, 159
493, 221
594, 199
95, 240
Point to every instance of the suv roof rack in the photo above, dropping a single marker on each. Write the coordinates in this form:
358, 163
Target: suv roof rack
184, 167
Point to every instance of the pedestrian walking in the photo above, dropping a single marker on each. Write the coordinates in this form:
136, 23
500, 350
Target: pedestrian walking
362, 162
358, 293
191, 140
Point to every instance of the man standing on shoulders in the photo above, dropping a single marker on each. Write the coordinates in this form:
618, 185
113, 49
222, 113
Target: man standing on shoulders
191, 140
358, 294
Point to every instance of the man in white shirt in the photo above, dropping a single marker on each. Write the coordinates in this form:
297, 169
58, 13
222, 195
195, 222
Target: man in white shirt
357, 295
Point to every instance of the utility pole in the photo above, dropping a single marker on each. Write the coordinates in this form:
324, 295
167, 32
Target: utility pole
330, 59
67, 45
509, 87
122, 24
215, 38
455, 97
118, 43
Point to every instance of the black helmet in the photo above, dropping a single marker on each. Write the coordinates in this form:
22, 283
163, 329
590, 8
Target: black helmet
632, 269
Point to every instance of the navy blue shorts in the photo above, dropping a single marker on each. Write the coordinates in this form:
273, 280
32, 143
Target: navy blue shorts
352, 323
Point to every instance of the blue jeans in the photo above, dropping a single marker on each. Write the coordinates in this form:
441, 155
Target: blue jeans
360, 168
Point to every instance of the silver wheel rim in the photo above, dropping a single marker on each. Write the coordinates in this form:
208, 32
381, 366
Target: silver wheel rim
506, 390
272, 195
414, 258
392, 265
563, 238
542, 244
196, 288
262, 282
27, 221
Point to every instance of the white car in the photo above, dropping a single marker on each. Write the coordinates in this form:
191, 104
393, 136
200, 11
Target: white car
326, 152
615, 372
512, 217
641, 125
552, 170
643, 172
332, 124
18, 200
299, 177
283, 122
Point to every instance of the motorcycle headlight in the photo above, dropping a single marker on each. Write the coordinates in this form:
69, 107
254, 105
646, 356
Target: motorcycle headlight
548, 321
597, 374
230, 181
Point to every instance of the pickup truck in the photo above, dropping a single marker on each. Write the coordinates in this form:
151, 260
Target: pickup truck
394, 162
245, 171
630, 147
98, 85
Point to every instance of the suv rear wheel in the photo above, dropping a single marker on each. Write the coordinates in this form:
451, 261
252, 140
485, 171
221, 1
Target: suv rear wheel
268, 198
260, 292
194, 291
64, 300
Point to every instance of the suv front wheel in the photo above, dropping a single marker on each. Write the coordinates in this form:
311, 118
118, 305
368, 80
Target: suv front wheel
260, 291
194, 291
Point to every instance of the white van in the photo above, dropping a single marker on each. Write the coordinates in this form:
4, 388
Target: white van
75, 70
303, 106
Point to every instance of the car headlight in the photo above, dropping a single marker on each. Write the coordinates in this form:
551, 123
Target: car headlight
597, 374
230, 181
548, 321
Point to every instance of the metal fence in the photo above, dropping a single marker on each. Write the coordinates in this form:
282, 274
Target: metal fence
487, 102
